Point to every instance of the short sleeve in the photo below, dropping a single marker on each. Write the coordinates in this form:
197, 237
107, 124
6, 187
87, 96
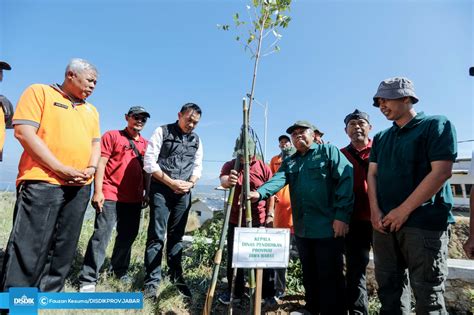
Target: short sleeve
107, 144
441, 145
226, 168
30, 106
373, 150
96, 126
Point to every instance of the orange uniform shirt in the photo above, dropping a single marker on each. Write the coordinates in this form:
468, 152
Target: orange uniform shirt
283, 216
67, 130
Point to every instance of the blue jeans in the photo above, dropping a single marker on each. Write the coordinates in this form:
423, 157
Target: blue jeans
168, 217
127, 218
323, 277
424, 254
47, 224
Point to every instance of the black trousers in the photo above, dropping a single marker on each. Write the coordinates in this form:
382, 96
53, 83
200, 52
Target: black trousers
358, 242
268, 288
323, 278
47, 224
127, 218
168, 216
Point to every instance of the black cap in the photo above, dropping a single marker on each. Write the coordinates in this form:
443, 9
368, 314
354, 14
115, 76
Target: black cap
136, 110
5, 66
357, 114
283, 137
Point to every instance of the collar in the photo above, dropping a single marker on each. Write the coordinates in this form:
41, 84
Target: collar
311, 148
368, 146
57, 87
129, 136
412, 123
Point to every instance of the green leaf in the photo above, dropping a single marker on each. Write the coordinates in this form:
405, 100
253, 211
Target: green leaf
251, 38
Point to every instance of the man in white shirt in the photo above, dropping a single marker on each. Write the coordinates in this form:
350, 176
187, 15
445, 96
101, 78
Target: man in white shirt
174, 159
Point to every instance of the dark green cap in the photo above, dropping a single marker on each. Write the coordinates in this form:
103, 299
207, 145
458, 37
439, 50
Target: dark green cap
300, 124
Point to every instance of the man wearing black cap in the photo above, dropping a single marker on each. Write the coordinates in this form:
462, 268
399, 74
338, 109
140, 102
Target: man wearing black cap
174, 159
359, 238
410, 201
320, 180
6, 110
120, 191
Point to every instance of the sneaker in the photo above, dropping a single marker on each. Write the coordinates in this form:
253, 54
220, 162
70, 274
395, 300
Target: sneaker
224, 298
87, 288
149, 292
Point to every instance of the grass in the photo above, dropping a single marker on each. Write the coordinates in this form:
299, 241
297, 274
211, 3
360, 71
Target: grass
197, 262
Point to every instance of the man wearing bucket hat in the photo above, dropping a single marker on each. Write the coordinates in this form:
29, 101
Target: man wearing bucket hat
359, 238
262, 215
410, 200
320, 180
120, 190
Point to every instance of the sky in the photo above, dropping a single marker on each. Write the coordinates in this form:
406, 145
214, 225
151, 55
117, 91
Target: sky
162, 54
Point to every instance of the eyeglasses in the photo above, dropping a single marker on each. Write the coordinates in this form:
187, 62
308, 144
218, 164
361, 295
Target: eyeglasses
139, 118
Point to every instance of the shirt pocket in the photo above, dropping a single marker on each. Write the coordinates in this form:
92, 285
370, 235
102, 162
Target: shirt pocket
318, 171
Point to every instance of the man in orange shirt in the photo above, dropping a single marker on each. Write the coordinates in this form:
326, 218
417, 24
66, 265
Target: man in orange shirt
60, 134
283, 217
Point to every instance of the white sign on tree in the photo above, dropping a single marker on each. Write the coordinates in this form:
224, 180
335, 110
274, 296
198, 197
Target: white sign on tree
261, 248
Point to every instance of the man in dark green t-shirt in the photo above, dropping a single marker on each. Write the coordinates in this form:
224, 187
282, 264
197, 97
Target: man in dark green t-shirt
410, 201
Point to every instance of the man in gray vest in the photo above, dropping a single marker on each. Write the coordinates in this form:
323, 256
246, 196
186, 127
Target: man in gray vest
174, 159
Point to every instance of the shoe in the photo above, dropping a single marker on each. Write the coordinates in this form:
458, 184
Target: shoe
184, 290
150, 292
224, 298
269, 301
279, 295
87, 288
182, 287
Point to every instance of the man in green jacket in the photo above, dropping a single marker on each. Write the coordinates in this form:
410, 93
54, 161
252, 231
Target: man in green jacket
320, 180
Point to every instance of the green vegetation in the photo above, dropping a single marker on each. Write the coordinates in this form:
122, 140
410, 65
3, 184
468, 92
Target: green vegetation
198, 259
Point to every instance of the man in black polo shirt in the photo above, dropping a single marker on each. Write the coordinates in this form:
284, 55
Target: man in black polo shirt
410, 201
174, 159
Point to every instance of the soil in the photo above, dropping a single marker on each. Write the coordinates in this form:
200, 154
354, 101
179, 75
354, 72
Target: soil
459, 234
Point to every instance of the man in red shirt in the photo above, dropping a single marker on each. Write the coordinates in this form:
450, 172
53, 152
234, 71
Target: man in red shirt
359, 238
118, 198
262, 215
